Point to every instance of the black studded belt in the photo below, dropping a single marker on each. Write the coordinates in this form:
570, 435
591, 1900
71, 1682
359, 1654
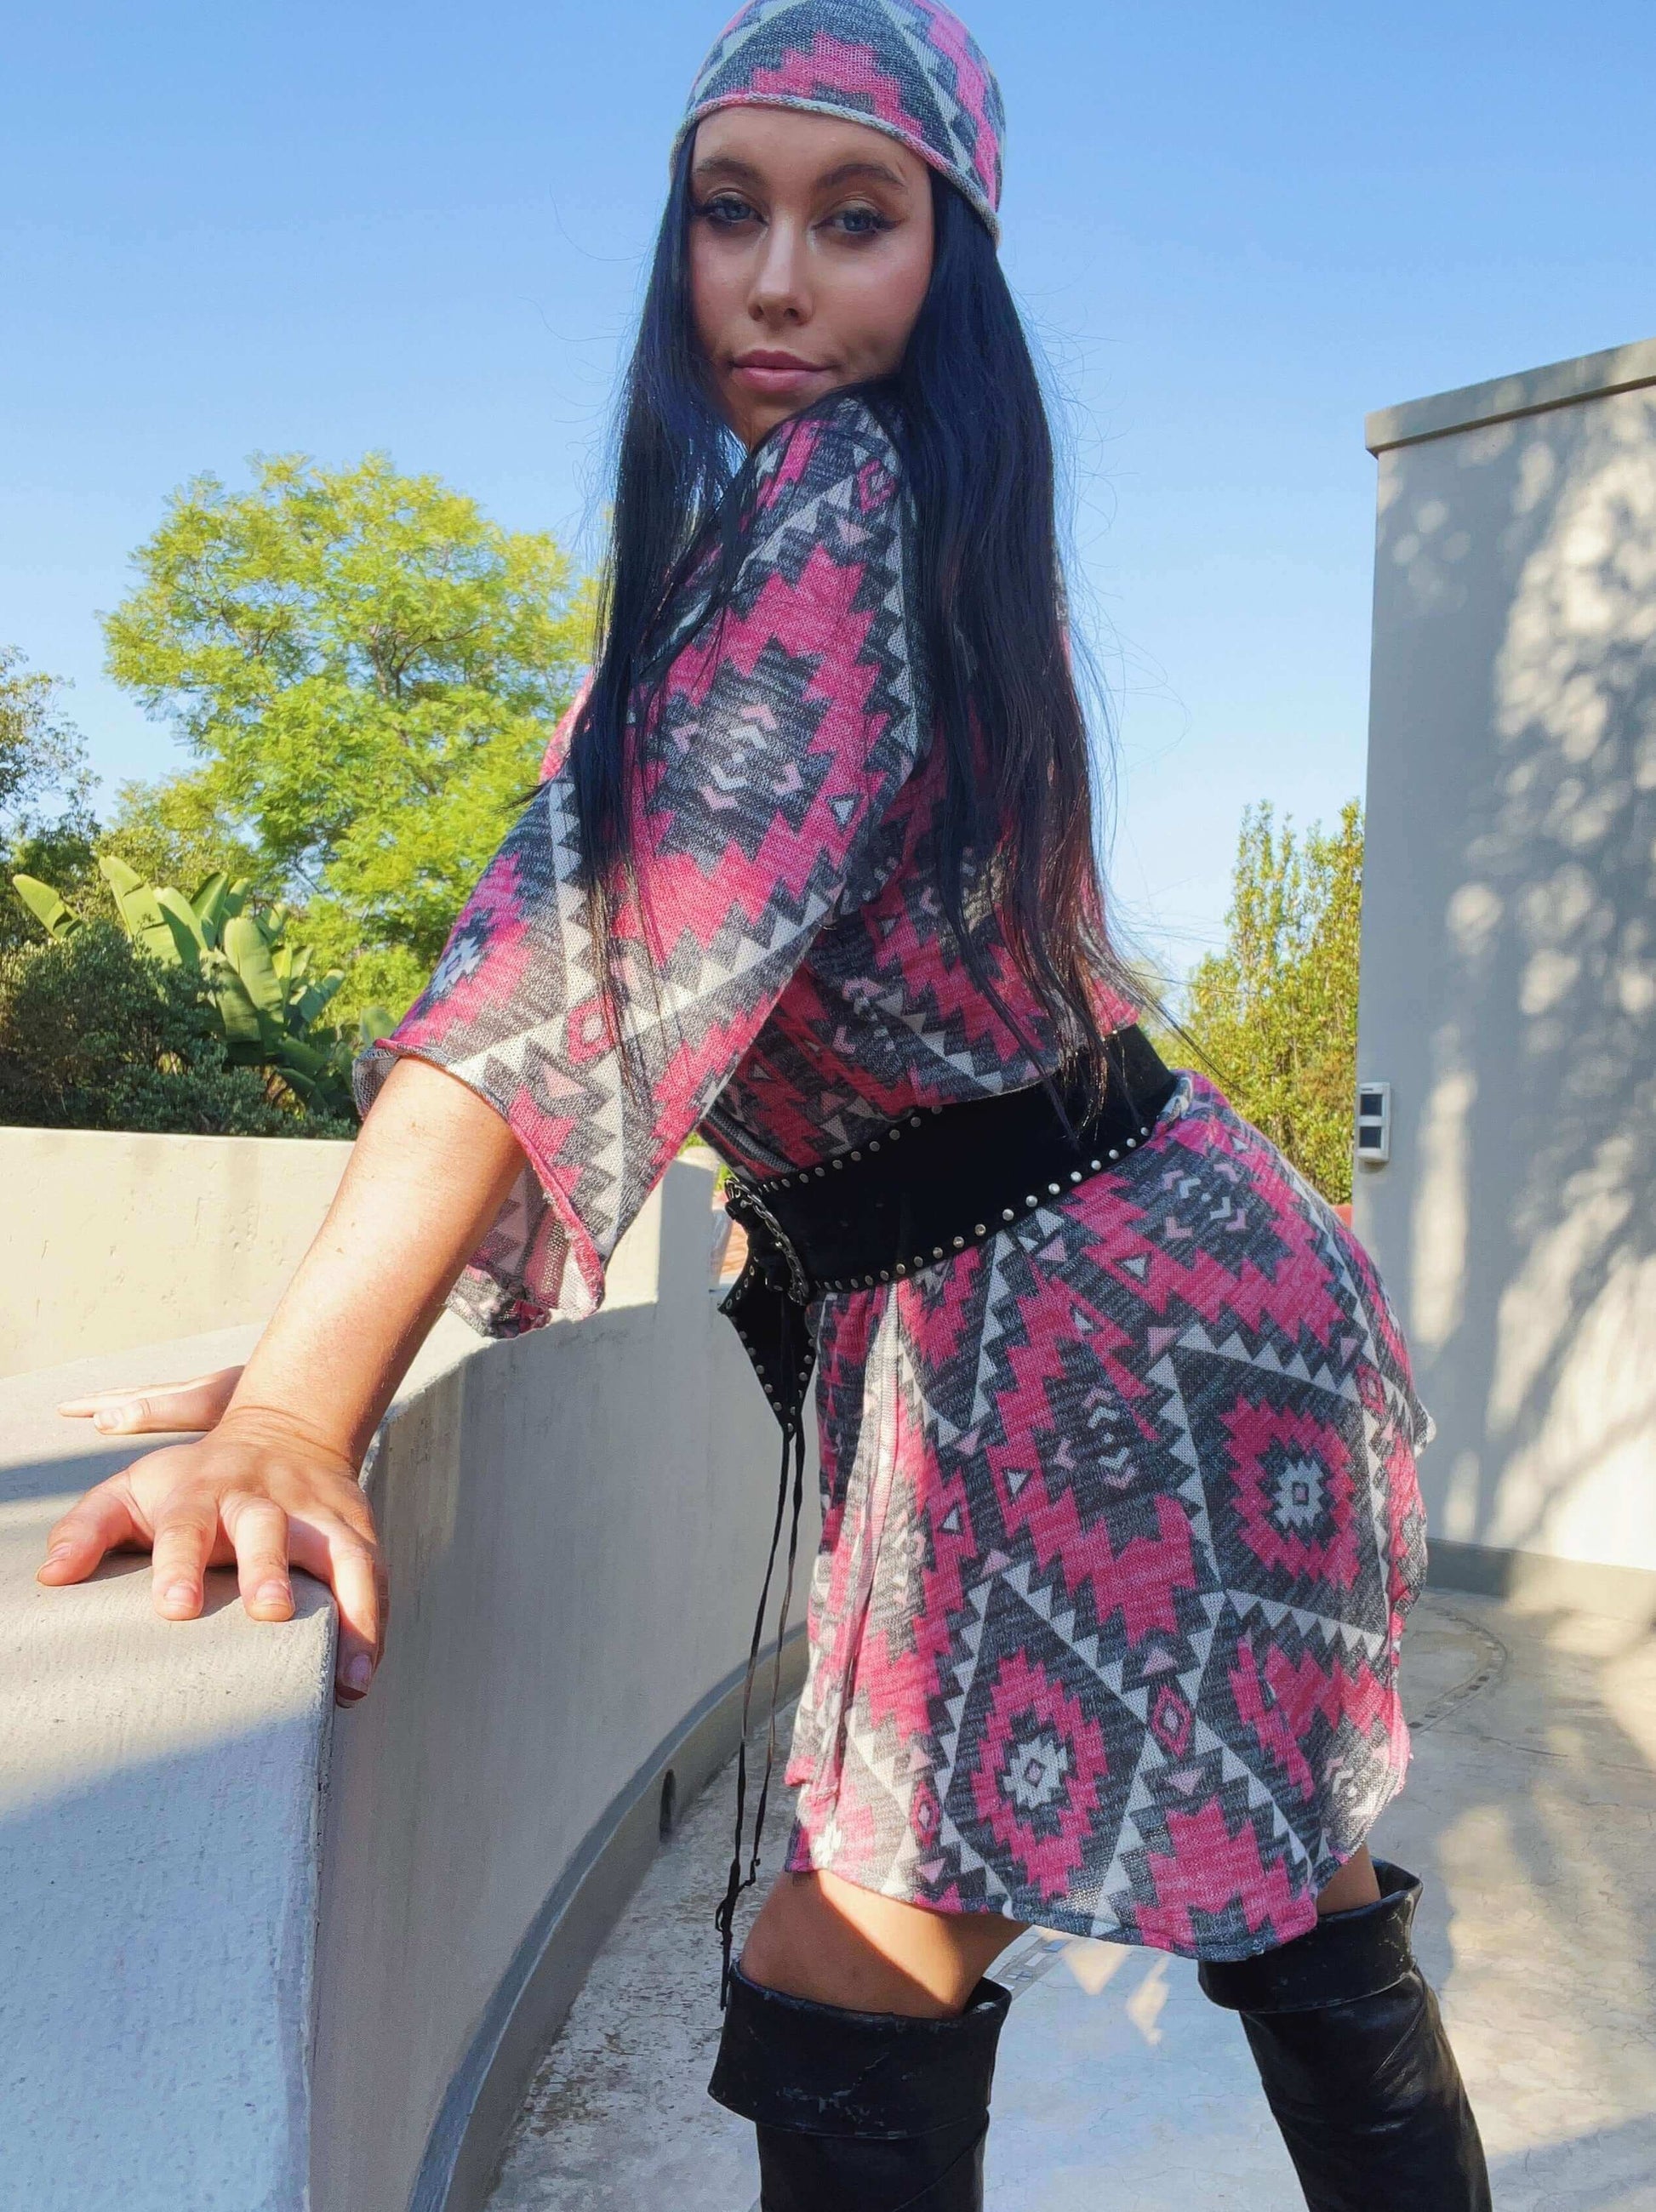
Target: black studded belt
925, 1186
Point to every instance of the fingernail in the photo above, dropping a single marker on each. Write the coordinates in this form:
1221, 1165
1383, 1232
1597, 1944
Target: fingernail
178, 1593
270, 1594
359, 1672
58, 1552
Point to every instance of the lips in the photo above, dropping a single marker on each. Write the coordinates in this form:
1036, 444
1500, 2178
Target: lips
777, 360
768, 374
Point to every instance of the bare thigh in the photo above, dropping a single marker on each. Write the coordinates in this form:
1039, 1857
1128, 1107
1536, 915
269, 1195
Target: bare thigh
820, 1937
1353, 1885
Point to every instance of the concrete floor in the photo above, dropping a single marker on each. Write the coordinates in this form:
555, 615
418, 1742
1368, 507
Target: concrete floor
1530, 1812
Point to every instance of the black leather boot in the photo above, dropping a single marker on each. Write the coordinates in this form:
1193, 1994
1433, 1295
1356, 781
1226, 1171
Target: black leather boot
860, 2111
1357, 2069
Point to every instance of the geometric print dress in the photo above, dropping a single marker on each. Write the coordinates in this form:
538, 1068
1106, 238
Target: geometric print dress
1121, 1523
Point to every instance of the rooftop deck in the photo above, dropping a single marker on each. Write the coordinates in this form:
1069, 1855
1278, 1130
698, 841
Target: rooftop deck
1530, 1812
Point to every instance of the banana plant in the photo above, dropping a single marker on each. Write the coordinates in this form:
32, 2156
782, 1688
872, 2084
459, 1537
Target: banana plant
269, 1001
48, 910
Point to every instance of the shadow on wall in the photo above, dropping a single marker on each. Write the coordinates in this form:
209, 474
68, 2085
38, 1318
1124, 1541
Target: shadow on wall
1532, 1242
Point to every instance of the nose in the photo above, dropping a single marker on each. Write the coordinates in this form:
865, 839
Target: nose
780, 288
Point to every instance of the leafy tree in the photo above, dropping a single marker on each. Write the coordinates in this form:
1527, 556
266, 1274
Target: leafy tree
173, 831
45, 818
95, 1035
41, 751
1275, 1013
368, 669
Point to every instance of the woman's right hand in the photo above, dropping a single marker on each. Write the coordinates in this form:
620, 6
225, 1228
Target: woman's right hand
259, 1493
273, 1486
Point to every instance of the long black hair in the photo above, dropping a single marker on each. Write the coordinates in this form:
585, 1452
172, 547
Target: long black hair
965, 412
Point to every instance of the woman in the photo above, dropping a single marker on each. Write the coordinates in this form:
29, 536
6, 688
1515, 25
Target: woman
1120, 1518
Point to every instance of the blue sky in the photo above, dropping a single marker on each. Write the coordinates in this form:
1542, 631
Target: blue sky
1235, 228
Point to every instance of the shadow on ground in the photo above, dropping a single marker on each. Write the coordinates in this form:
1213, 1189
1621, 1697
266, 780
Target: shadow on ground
1529, 1812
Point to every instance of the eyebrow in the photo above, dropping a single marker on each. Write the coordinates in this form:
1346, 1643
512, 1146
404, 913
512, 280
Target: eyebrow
728, 165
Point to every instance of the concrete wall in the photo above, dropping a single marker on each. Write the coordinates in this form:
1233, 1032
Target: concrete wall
159, 1824
1509, 962
109, 1240
256, 1954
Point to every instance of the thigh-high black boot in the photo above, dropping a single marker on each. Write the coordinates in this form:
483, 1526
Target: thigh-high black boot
860, 2111
1356, 2066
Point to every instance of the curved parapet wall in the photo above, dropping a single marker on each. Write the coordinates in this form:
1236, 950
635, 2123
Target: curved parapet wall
158, 1859
257, 1954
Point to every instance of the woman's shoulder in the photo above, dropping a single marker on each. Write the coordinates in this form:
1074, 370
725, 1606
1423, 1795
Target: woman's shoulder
841, 440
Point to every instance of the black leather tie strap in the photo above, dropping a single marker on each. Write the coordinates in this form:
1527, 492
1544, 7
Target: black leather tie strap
930, 1183
927, 1186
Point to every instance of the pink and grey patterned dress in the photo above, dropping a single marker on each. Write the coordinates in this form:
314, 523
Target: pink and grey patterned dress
1121, 1517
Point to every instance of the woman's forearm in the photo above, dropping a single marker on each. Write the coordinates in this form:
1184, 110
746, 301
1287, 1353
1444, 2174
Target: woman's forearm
427, 1175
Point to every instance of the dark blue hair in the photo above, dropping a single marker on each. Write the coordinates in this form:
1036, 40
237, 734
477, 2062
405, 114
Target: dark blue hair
965, 412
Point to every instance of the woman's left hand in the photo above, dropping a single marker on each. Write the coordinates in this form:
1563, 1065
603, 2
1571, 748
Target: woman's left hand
175, 1407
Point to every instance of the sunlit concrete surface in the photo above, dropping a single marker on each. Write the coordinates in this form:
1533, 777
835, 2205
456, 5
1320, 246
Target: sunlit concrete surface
158, 1864
1530, 1812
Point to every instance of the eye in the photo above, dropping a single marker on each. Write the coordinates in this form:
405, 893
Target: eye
861, 222
724, 210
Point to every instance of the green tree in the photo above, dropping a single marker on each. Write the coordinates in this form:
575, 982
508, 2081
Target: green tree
175, 831
1275, 1013
368, 669
95, 1035
42, 754
46, 816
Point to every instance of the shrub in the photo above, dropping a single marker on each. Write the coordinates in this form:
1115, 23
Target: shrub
96, 1035
268, 1002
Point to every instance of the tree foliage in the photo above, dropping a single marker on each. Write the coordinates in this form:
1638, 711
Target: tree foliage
46, 819
95, 1035
1275, 1013
42, 753
368, 669
175, 830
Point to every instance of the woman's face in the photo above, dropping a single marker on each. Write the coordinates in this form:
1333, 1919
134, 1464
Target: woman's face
810, 253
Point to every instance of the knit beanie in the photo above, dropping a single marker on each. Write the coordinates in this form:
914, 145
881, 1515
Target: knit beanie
906, 67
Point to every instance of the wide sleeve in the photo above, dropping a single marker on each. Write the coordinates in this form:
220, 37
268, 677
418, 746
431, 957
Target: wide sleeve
786, 728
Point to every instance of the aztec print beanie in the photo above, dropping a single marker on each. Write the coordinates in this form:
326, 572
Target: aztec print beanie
906, 67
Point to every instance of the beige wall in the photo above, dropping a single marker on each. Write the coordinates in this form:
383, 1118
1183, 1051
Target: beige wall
111, 1239
1509, 948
